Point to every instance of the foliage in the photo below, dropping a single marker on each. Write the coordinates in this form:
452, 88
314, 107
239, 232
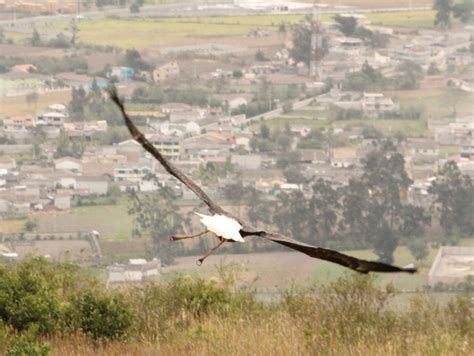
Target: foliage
191, 313
35, 39
445, 9
409, 74
367, 78
454, 194
419, 249
301, 50
158, 215
30, 225
346, 24
260, 56
61, 41
134, 60
68, 148
99, 315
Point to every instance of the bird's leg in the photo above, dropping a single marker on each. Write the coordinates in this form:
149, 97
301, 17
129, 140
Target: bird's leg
184, 237
200, 261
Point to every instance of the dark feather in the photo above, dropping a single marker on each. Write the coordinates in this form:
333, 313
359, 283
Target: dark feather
356, 264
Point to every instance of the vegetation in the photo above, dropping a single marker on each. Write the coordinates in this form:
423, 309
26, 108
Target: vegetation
157, 215
191, 315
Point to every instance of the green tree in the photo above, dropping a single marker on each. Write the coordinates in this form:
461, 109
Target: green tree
35, 39
78, 102
454, 194
158, 215
134, 60
464, 11
324, 208
134, 8
301, 50
346, 24
444, 10
419, 249
387, 216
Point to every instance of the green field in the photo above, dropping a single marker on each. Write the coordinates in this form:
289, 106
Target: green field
156, 32
112, 221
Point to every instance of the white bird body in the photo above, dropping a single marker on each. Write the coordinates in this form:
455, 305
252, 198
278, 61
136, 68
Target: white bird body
222, 226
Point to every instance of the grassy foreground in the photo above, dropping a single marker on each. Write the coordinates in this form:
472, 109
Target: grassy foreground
50, 308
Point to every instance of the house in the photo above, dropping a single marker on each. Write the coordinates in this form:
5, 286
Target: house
423, 151
68, 164
93, 184
169, 146
131, 173
135, 271
205, 145
122, 74
51, 118
130, 149
460, 132
19, 124
376, 105
61, 108
344, 157
166, 71
179, 129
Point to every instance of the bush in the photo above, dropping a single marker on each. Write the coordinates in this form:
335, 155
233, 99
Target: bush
100, 315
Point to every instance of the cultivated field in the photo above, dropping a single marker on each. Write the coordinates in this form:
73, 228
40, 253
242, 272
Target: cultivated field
128, 33
17, 105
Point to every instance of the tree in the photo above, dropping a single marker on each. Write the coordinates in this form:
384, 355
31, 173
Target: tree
260, 56
35, 39
443, 9
409, 74
387, 216
134, 60
134, 8
419, 249
32, 98
454, 202
324, 207
464, 11
346, 24
158, 215
78, 102
74, 31
301, 50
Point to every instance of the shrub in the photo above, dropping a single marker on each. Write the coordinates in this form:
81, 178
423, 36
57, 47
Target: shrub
100, 315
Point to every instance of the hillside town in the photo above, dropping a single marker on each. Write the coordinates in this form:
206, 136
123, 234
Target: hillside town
276, 108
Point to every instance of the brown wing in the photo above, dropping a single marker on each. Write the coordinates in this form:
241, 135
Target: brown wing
362, 266
170, 168
356, 264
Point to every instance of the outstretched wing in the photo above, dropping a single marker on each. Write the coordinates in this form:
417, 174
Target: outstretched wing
170, 168
354, 263
362, 266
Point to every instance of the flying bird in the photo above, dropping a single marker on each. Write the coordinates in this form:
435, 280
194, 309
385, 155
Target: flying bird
224, 227
228, 228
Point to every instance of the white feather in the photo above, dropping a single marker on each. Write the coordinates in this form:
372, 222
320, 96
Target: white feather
223, 226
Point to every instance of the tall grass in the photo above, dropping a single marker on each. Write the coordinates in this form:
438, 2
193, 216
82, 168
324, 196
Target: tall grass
187, 315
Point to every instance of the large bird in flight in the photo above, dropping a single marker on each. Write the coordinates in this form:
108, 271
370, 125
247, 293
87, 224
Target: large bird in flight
228, 228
